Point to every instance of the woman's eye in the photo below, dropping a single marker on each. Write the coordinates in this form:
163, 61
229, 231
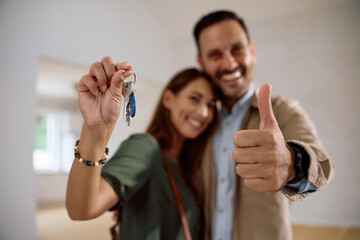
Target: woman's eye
195, 99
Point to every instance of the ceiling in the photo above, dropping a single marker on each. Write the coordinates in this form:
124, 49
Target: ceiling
178, 17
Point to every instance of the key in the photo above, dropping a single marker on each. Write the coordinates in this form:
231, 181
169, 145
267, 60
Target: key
127, 115
129, 103
126, 106
132, 104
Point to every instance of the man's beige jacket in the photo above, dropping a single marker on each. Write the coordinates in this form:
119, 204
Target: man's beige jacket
259, 216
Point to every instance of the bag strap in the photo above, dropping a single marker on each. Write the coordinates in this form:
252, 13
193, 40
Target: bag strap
178, 200
114, 230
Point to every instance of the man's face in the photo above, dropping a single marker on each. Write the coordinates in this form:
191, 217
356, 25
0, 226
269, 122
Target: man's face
228, 57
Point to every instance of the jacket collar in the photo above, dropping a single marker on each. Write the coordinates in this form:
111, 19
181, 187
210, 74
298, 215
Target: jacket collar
254, 100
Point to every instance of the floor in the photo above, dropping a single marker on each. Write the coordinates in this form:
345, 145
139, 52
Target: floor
53, 223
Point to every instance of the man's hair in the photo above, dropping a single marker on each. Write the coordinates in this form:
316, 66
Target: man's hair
215, 17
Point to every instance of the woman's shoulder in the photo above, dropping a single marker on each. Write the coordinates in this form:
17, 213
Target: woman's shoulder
140, 146
142, 141
143, 137
139, 152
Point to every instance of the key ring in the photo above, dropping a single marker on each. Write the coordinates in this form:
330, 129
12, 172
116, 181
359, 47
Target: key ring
122, 77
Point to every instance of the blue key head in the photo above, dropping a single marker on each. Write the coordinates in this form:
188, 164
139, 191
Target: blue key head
132, 105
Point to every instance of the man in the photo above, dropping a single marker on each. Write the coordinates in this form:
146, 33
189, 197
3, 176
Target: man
278, 157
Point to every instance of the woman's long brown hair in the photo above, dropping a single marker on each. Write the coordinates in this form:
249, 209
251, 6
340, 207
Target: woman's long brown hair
162, 128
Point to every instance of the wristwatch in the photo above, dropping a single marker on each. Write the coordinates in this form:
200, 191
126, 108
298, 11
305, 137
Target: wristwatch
301, 163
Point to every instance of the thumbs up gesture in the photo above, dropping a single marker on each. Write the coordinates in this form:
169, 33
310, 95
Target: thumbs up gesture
264, 160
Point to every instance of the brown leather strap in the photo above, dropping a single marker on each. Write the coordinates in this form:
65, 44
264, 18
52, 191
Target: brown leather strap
178, 200
113, 232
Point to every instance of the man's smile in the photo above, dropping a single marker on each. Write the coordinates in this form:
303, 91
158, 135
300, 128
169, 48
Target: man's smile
231, 76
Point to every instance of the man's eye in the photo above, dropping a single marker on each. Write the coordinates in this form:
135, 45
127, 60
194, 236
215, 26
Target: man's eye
237, 50
214, 55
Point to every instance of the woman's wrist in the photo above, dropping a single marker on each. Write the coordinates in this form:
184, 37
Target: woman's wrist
90, 163
93, 142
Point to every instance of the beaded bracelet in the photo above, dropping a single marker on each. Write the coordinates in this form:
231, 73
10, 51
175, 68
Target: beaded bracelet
90, 163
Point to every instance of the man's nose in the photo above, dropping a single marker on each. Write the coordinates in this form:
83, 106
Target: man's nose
229, 62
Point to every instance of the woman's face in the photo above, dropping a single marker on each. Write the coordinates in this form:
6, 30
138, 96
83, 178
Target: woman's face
191, 109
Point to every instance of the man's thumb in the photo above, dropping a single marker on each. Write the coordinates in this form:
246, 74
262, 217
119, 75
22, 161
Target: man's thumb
267, 118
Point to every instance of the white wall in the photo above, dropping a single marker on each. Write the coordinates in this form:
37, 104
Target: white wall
76, 31
315, 57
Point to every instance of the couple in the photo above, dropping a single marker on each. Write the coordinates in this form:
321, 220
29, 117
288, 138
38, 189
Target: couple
227, 193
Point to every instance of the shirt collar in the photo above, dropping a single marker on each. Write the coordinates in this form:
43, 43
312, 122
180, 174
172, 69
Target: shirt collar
245, 100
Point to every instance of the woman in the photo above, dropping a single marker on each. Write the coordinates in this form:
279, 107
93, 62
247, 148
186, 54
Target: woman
135, 178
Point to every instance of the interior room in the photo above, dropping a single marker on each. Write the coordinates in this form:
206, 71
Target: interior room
307, 50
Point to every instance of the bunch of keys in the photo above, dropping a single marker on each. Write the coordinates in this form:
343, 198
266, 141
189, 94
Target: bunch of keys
129, 103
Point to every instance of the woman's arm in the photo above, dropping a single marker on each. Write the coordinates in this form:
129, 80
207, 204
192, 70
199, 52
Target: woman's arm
88, 195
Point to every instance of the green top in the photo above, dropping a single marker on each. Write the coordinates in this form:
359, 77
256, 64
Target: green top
137, 174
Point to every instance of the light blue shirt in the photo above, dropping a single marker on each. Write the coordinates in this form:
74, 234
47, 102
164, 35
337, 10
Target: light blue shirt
225, 166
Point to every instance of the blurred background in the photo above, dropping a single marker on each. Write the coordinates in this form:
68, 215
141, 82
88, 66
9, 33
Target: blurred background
308, 50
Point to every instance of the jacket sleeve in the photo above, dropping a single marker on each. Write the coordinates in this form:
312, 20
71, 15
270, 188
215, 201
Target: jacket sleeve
297, 128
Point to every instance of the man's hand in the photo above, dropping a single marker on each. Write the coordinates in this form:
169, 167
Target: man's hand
263, 158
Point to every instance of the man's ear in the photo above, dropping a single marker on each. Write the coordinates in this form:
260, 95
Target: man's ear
199, 61
253, 51
167, 98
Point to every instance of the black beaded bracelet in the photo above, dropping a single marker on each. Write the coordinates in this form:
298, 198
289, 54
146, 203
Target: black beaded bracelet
90, 163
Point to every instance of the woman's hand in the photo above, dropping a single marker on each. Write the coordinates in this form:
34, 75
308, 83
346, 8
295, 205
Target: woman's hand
100, 93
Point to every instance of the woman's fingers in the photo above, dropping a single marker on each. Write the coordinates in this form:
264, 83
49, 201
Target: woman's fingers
123, 66
124, 69
88, 83
109, 67
120, 66
105, 74
97, 71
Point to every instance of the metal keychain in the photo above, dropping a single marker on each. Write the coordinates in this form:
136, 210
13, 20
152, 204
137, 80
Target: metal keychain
129, 103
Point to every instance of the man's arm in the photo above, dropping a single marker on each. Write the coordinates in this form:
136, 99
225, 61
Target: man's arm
299, 132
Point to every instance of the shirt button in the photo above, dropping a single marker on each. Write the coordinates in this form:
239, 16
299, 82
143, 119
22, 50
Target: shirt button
227, 123
225, 149
221, 210
222, 180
